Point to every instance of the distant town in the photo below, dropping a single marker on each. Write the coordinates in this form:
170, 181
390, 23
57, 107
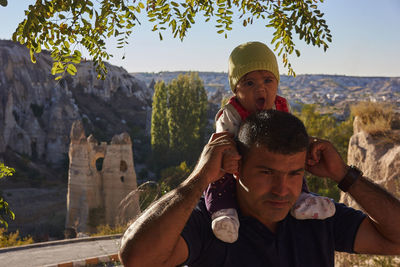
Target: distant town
334, 91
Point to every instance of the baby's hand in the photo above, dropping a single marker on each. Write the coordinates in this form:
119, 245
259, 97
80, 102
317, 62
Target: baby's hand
230, 161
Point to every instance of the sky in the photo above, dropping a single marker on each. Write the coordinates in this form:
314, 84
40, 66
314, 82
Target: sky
366, 42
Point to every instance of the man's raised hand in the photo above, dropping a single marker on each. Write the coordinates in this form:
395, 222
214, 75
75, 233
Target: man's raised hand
323, 160
210, 161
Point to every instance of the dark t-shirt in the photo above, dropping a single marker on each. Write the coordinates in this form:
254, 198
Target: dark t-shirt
295, 243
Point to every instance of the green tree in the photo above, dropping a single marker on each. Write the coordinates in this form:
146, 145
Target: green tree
200, 104
185, 118
5, 211
186, 114
63, 25
159, 124
327, 127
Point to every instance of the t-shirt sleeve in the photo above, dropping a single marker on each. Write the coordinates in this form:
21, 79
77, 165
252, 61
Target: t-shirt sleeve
346, 223
227, 122
196, 231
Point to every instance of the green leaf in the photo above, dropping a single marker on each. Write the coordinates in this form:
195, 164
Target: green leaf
71, 69
32, 54
76, 60
3, 2
38, 49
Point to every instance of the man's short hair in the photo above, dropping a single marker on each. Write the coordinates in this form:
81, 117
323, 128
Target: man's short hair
280, 132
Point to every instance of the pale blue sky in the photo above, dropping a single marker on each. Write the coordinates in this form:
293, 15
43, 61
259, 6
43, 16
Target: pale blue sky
366, 42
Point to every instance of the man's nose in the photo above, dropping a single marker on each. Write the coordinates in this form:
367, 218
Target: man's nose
280, 185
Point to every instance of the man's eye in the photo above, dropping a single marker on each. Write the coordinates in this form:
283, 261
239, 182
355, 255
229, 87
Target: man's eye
268, 80
267, 172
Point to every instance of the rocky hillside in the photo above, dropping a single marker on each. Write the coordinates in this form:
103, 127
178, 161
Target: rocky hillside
37, 112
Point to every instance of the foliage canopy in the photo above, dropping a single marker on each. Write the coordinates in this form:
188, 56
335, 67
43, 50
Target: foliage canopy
63, 26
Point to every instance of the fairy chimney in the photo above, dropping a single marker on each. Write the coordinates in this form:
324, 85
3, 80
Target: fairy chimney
100, 176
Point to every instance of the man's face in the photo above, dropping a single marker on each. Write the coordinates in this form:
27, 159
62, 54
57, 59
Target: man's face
257, 90
269, 184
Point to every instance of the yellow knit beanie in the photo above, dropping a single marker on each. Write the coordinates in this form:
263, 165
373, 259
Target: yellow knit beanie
248, 57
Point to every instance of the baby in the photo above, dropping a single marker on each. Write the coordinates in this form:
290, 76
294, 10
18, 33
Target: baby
254, 78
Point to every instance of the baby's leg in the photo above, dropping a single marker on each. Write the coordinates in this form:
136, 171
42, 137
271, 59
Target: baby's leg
311, 206
221, 204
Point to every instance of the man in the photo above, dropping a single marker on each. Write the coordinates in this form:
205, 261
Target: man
275, 154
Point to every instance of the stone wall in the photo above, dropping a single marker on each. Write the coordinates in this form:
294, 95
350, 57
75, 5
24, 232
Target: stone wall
100, 176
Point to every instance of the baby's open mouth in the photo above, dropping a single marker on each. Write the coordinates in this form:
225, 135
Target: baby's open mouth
260, 102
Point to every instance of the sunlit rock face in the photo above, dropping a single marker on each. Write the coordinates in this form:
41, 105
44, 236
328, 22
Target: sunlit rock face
379, 159
377, 156
36, 112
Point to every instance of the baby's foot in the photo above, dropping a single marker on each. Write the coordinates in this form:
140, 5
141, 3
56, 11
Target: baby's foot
225, 225
309, 206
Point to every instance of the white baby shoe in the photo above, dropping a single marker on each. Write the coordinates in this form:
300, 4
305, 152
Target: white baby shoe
309, 206
225, 225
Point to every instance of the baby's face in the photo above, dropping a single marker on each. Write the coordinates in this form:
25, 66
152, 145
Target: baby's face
257, 90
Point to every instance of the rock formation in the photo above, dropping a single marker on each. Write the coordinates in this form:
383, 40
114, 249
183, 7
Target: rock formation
379, 159
100, 176
36, 115
36, 112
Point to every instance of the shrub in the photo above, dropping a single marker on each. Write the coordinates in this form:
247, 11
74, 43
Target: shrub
13, 239
171, 177
105, 229
375, 117
5, 211
378, 120
326, 126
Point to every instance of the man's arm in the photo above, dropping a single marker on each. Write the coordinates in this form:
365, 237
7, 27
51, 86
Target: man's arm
380, 232
154, 238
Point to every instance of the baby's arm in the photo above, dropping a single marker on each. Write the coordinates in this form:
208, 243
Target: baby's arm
229, 120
